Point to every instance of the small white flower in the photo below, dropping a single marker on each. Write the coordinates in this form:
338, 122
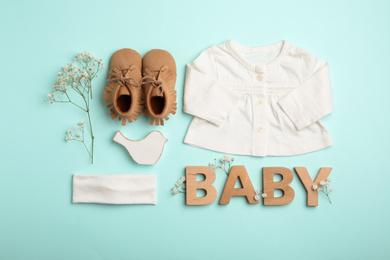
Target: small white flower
94, 64
319, 189
60, 73
211, 164
51, 102
314, 187
69, 131
216, 167
322, 183
76, 127
264, 195
223, 167
328, 180
177, 184
49, 95
81, 123
258, 191
75, 59
90, 68
183, 179
103, 66
67, 138
66, 90
327, 184
330, 190
256, 197
222, 159
78, 135
83, 79
174, 191
74, 83
74, 65
228, 158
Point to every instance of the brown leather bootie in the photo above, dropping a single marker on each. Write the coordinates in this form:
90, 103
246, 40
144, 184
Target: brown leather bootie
158, 82
124, 93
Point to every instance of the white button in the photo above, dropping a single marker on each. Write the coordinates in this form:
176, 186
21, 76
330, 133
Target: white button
259, 102
260, 129
259, 77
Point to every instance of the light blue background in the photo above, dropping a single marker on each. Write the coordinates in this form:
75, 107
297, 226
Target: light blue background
37, 218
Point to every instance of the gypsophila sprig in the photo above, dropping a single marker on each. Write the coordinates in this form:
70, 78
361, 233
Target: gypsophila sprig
224, 164
323, 187
76, 80
257, 196
179, 184
77, 135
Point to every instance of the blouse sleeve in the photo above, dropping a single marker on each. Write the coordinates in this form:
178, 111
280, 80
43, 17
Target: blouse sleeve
204, 96
312, 100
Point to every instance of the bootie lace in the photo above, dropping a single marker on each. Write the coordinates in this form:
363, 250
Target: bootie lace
154, 81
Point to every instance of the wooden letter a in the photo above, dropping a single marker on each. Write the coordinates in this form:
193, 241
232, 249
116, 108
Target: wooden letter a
246, 190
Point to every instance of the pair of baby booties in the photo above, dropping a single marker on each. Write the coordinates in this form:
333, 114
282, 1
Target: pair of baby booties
137, 84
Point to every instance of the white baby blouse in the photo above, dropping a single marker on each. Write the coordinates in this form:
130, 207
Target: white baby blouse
258, 100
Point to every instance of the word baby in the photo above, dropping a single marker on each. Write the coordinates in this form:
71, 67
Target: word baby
239, 172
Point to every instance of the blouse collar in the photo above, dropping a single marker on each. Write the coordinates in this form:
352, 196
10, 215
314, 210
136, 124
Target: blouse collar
235, 47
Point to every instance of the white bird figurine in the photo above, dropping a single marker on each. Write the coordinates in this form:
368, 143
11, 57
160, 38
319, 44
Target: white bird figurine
145, 151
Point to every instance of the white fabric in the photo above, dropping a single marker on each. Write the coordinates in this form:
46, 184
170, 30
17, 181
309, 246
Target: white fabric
115, 188
258, 100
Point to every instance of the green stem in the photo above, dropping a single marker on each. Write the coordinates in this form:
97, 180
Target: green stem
327, 195
93, 137
87, 149
90, 88
74, 103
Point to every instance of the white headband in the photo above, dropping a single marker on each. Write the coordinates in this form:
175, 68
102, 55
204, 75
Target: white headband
115, 188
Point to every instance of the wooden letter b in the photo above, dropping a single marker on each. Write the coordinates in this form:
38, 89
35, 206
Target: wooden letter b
270, 185
192, 185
